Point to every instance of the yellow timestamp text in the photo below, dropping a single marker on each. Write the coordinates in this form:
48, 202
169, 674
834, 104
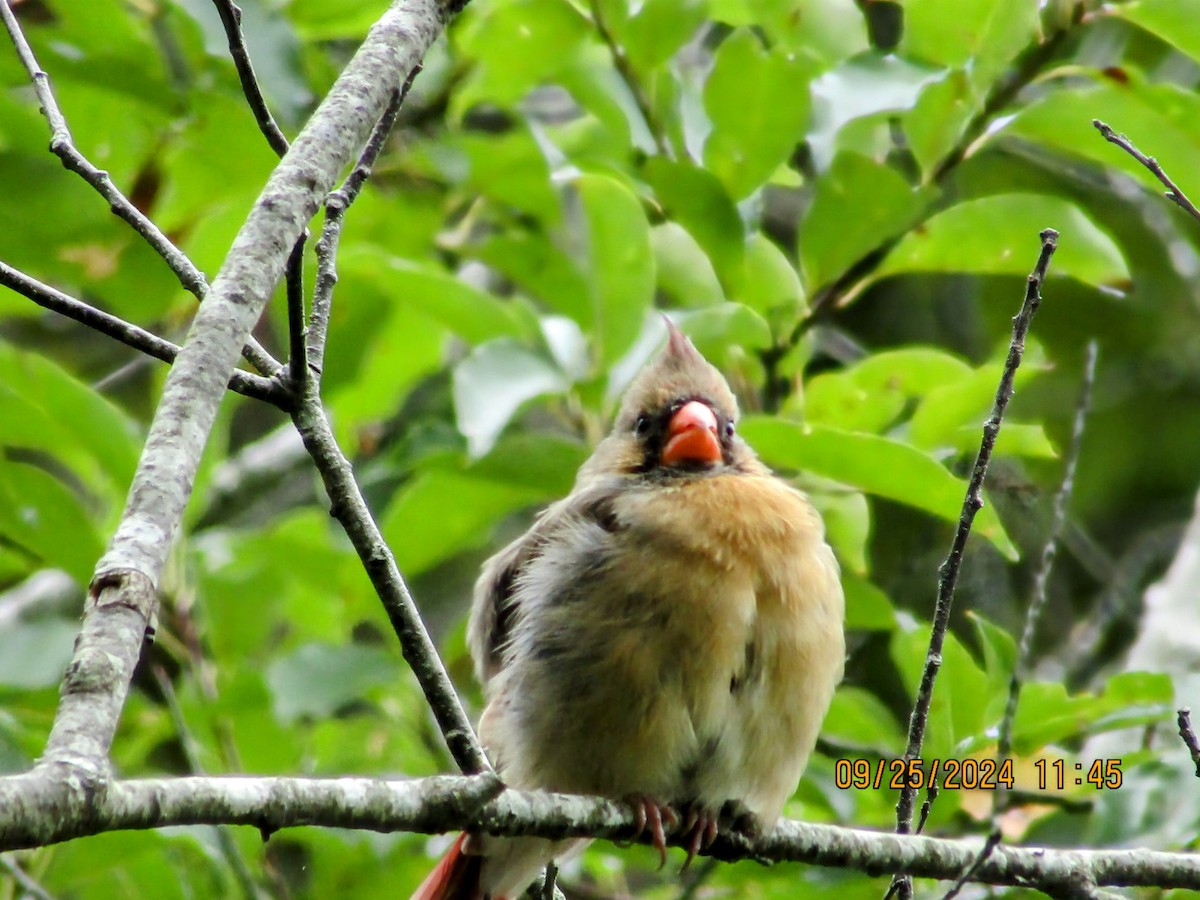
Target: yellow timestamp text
972, 774
1058, 775
949, 774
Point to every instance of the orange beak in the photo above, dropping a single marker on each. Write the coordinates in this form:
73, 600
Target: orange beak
692, 436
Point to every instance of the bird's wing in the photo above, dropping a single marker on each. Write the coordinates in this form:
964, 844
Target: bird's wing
495, 598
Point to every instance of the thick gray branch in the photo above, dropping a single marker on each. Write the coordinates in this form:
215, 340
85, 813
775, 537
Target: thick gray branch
38, 809
126, 576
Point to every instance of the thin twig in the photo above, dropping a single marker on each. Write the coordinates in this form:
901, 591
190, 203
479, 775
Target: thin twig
245, 383
23, 880
1049, 551
1173, 192
948, 572
346, 501
625, 69
297, 352
1189, 737
62, 145
231, 19
350, 509
1041, 580
336, 204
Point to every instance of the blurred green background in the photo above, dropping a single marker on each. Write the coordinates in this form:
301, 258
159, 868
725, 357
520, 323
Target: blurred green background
838, 201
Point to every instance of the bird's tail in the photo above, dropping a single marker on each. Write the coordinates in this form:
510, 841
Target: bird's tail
455, 877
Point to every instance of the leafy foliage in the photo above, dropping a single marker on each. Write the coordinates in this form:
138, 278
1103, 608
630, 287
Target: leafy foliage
841, 213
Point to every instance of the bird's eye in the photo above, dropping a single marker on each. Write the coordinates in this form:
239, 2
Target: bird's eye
729, 429
642, 425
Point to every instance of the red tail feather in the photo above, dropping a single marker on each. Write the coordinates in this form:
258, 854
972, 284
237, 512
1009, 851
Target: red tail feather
455, 877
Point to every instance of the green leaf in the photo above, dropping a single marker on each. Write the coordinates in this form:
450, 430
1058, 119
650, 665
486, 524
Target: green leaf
1171, 21
857, 204
43, 407
984, 33
546, 464
856, 101
872, 394
1163, 118
660, 28
317, 680
317, 20
951, 414
877, 465
511, 169
1047, 714
758, 102
541, 269
858, 719
771, 286
469, 312
999, 657
46, 519
818, 32
961, 695
939, 119
715, 329
685, 273
867, 607
35, 654
516, 44
697, 200
441, 513
620, 259
999, 236
494, 382
847, 518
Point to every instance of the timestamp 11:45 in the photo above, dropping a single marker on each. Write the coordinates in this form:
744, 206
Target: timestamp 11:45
1056, 775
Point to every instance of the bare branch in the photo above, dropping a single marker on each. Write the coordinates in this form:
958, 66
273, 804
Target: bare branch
297, 350
1173, 191
246, 383
1001, 797
350, 509
336, 205
1049, 551
123, 591
231, 19
36, 810
1189, 737
972, 503
63, 146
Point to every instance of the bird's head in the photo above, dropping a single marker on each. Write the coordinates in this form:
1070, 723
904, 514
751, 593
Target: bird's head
677, 417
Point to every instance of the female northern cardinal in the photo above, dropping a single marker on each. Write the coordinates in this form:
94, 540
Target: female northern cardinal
670, 633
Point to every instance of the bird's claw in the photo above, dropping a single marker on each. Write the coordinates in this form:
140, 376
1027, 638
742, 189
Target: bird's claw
700, 828
650, 814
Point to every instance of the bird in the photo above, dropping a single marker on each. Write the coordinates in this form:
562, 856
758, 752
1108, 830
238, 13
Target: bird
670, 634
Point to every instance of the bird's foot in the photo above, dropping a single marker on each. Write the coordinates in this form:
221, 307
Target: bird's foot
737, 818
650, 814
700, 826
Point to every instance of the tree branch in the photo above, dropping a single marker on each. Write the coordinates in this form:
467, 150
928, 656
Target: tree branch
350, 509
245, 383
37, 811
1188, 735
122, 595
1001, 797
231, 20
336, 205
63, 146
1173, 191
972, 503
